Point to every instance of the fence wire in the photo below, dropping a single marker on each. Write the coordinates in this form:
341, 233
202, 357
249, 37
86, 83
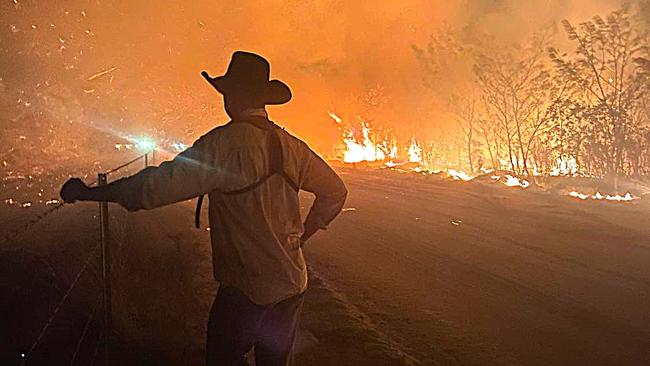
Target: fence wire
28, 227
57, 308
24, 228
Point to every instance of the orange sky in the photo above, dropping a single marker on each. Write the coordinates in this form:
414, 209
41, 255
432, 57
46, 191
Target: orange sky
328, 51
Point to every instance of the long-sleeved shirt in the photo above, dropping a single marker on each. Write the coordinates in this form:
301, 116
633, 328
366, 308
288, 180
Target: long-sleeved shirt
255, 235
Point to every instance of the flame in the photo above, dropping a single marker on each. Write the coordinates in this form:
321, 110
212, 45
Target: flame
415, 152
599, 196
565, 166
516, 182
365, 150
459, 175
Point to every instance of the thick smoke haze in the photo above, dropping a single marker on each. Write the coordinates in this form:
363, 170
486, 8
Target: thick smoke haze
330, 52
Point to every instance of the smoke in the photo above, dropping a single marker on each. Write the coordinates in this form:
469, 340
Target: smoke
329, 51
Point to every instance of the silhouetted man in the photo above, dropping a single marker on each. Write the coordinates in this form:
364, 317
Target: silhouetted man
252, 171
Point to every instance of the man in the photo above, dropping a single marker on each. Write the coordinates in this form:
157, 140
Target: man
252, 171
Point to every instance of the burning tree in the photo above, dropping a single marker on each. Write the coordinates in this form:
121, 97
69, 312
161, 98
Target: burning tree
609, 72
536, 111
458, 93
519, 94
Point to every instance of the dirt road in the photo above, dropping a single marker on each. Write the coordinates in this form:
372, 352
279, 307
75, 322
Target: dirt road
484, 274
416, 270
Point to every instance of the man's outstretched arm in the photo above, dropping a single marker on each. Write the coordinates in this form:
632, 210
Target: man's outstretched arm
330, 194
189, 174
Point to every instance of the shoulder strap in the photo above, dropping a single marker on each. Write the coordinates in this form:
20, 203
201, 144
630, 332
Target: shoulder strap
276, 166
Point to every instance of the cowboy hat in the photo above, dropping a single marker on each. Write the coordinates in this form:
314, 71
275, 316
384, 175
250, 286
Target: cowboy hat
248, 76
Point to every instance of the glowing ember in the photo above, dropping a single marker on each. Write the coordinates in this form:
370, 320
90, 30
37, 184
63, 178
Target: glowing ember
599, 196
101, 73
459, 175
516, 182
336, 118
579, 195
52, 202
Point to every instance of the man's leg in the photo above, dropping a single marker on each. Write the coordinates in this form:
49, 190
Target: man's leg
231, 327
277, 334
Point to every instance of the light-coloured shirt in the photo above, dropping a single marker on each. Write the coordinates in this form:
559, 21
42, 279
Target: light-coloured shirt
255, 235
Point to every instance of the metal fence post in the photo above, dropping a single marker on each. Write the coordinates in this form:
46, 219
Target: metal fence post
106, 268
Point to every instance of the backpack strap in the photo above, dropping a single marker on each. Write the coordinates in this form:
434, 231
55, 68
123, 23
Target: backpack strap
276, 166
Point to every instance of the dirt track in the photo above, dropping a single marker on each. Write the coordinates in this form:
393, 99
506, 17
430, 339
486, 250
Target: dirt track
422, 271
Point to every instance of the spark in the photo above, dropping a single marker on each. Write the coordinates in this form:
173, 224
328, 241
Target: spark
336, 118
101, 73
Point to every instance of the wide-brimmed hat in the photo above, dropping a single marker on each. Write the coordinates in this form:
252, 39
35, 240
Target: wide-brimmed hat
248, 76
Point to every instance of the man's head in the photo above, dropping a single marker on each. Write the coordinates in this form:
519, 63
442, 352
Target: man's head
235, 104
246, 84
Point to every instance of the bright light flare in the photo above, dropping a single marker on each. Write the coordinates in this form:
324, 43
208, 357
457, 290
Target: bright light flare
144, 144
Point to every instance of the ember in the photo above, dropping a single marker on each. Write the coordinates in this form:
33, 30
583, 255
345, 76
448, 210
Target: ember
599, 196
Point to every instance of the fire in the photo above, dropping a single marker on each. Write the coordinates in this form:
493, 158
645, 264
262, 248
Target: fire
459, 175
565, 166
415, 152
599, 196
364, 150
516, 182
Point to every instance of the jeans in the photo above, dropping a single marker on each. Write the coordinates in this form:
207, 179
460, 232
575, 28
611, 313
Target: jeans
236, 324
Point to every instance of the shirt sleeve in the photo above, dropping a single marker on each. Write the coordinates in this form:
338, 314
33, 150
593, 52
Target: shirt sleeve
321, 180
191, 173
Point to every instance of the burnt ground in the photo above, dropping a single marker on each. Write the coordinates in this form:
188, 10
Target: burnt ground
417, 270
